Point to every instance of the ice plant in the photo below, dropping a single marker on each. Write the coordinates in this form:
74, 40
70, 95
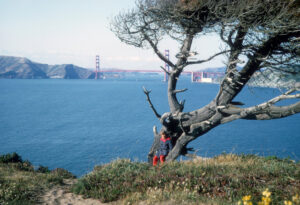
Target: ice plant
265, 199
296, 199
246, 200
288, 203
266, 193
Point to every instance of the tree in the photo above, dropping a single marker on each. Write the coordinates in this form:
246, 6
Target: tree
264, 34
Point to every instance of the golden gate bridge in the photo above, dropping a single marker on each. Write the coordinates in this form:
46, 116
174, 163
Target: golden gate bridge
196, 76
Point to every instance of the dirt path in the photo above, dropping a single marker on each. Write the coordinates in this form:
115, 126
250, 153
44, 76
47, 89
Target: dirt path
60, 195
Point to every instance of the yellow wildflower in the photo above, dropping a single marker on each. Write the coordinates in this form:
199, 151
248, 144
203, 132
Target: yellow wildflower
246, 198
296, 198
266, 200
266, 193
288, 203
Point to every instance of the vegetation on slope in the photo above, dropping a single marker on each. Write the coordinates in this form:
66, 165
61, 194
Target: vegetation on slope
21, 184
226, 179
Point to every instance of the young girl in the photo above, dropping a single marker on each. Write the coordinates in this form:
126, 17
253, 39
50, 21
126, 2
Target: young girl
164, 149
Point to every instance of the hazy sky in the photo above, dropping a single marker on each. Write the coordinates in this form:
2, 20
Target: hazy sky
74, 31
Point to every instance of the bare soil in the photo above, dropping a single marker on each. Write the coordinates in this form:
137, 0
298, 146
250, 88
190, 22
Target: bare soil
61, 195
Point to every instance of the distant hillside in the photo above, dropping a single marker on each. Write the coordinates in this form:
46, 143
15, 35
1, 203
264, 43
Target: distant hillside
218, 69
23, 68
268, 78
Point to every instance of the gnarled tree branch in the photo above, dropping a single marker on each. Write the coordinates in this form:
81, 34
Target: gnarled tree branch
147, 92
264, 111
157, 52
167, 72
174, 105
180, 91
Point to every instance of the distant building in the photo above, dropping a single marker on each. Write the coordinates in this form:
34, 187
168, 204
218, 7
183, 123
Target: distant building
201, 77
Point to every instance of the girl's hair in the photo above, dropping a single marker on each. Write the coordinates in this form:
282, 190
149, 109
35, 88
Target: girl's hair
163, 132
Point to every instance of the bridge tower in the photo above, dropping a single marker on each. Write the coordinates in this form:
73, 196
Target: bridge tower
97, 71
167, 67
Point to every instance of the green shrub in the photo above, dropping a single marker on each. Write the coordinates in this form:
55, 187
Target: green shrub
42, 169
24, 166
16, 161
11, 158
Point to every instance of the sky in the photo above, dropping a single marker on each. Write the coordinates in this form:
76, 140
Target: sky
75, 31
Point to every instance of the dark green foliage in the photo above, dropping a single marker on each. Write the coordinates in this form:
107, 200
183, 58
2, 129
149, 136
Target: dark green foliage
42, 169
227, 177
24, 166
16, 161
11, 158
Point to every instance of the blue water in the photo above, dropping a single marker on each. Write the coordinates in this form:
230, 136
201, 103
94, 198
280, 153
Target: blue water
77, 124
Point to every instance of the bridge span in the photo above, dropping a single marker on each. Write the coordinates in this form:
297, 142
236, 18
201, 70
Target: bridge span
196, 76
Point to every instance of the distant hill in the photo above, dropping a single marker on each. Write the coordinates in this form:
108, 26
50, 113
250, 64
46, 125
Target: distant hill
218, 70
273, 78
267, 78
23, 68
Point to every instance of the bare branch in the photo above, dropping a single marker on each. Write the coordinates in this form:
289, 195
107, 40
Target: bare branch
222, 34
158, 53
208, 59
155, 133
233, 62
180, 91
265, 110
230, 43
174, 105
147, 92
284, 96
165, 70
185, 50
181, 126
274, 112
230, 118
155, 145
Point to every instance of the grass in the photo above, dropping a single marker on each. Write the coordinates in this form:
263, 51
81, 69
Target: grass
225, 179
21, 184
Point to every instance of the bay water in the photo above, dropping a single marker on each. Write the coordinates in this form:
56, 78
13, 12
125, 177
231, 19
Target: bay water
77, 124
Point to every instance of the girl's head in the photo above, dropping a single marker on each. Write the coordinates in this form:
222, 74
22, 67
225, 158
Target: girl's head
163, 134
